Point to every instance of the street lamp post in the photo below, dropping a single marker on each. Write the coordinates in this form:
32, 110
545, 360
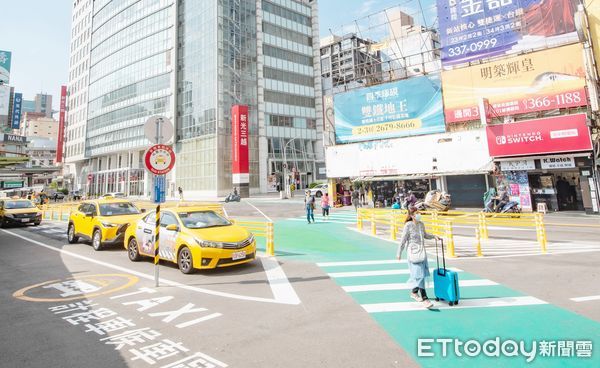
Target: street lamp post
286, 180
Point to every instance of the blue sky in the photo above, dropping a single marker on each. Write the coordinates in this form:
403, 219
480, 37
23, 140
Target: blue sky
38, 34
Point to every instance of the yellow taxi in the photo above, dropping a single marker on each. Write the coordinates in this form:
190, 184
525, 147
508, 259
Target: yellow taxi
102, 221
19, 212
192, 237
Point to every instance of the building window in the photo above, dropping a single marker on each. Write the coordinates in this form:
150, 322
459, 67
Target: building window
280, 120
289, 99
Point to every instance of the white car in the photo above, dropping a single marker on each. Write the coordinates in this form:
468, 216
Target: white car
319, 190
114, 195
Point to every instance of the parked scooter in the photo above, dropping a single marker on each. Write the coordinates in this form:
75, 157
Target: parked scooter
233, 196
492, 204
435, 200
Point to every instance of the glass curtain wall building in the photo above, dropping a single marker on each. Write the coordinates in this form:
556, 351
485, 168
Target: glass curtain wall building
130, 79
192, 61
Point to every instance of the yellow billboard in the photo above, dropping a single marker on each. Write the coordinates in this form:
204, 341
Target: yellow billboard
537, 81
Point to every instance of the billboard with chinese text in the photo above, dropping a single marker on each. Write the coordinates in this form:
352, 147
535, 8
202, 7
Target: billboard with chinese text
538, 81
565, 133
5, 57
239, 144
475, 29
398, 109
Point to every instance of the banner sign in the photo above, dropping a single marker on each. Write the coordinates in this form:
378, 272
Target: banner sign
16, 112
558, 162
5, 57
160, 185
4, 100
537, 81
566, 133
239, 143
11, 138
476, 29
398, 109
61, 123
517, 165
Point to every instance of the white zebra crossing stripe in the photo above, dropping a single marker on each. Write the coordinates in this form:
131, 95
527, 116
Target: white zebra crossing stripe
379, 273
465, 303
359, 263
407, 286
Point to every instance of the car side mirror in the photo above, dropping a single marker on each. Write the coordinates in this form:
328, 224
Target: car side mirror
143, 210
172, 227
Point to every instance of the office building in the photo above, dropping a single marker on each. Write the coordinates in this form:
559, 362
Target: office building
191, 61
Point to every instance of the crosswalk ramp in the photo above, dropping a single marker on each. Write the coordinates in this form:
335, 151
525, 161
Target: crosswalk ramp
382, 286
336, 217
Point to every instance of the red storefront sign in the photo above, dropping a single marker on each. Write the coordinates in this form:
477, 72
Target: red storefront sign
61, 124
239, 144
567, 133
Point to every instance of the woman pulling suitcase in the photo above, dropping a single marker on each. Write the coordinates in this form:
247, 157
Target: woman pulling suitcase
413, 239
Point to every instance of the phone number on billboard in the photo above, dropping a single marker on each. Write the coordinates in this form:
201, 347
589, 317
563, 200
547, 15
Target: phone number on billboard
562, 99
471, 47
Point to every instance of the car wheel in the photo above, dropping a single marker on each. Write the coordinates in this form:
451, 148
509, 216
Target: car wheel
184, 261
97, 240
2, 222
133, 251
71, 237
319, 194
36, 223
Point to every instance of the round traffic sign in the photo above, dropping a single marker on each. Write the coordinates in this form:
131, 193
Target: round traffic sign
158, 129
159, 159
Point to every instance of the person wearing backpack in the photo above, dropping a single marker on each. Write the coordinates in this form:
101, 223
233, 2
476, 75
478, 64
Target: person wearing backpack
413, 239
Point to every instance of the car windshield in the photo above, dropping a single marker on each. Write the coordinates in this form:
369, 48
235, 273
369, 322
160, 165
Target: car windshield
11, 205
116, 209
202, 219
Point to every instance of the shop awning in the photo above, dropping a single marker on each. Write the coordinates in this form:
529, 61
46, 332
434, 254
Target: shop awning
420, 176
516, 158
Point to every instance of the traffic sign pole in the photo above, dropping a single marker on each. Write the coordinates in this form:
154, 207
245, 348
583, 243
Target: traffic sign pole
159, 160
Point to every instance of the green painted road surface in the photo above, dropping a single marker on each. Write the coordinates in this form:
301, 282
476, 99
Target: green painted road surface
364, 266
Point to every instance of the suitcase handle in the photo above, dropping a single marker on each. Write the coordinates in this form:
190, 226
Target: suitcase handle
438, 259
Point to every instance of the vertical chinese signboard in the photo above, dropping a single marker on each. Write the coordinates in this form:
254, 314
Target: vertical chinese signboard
240, 167
61, 124
475, 29
538, 81
5, 57
16, 112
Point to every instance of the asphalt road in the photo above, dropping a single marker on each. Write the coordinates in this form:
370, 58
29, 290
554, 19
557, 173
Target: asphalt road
310, 306
251, 321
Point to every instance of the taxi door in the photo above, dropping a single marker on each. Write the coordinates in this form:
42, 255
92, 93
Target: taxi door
168, 238
89, 213
144, 233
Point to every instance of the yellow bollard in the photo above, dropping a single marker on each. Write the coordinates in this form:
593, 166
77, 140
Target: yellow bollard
478, 238
270, 239
450, 240
393, 228
541, 231
373, 225
359, 220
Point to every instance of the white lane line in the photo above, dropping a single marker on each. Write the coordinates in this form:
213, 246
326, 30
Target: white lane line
359, 263
280, 285
407, 286
163, 281
465, 303
550, 253
379, 273
261, 212
586, 298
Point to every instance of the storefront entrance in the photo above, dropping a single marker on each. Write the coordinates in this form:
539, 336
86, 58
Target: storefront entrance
559, 190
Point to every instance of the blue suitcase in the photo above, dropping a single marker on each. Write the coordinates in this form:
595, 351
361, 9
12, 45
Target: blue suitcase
445, 282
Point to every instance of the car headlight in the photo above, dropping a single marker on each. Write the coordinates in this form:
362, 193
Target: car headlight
108, 224
208, 244
10, 215
39, 214
250, 239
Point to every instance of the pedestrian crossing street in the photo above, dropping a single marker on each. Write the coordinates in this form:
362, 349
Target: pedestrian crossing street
381, 286
466, 246
335, 216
